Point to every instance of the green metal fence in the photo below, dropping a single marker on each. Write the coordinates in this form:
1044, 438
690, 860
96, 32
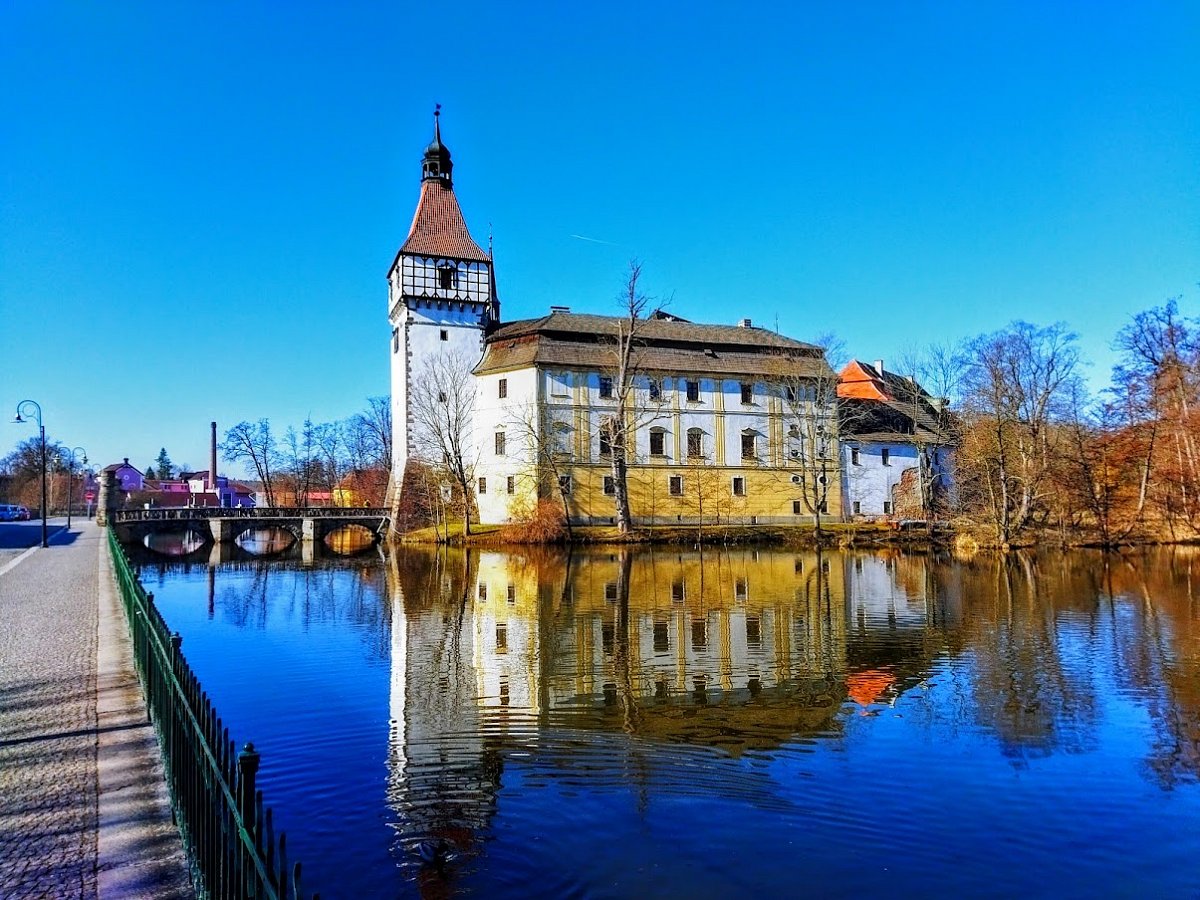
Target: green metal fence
229, 836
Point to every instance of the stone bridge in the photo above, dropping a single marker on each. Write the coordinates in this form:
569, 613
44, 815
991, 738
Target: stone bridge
224, 524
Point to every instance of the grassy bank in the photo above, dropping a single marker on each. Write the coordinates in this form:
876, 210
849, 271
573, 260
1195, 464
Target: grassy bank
832, 534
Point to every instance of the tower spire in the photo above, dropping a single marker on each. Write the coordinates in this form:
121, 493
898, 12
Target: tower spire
436, 164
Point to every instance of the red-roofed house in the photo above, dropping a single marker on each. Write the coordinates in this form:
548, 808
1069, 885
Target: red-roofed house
897, 445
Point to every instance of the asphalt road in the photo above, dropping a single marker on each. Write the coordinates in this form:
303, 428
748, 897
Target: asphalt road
17, 537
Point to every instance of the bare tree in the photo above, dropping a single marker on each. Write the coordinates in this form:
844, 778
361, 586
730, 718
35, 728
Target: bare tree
442, 405
807, 387
930, 379
254, 443
1018, 383
1159, 377
618, 435
376, 422
297, 460
540, 435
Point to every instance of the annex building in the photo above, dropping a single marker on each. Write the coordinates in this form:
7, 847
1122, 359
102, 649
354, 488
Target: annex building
724, 423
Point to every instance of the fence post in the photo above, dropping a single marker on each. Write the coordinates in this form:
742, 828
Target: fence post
247, 770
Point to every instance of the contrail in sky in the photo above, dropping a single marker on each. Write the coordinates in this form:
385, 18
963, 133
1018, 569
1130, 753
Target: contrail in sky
580, 237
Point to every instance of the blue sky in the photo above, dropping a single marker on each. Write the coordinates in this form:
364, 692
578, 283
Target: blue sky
198, 203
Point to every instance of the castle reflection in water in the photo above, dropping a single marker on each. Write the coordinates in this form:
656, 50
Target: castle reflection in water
498, 652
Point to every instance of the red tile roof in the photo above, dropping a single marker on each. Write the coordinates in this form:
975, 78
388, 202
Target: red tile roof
438, 227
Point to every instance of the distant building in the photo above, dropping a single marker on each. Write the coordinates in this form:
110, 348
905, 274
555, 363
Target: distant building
897, 445
129, 478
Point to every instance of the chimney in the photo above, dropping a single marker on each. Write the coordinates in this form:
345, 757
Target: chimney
879, 366
212, 459
127, 460
744, 323
560, 309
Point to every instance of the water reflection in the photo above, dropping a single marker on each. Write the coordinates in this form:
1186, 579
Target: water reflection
267, 541
175, 543
349, 540
774, 705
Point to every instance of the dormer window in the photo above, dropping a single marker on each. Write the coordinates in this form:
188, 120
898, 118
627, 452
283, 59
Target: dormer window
446, 275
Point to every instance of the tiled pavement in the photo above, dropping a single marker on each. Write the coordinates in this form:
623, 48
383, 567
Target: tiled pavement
82, 805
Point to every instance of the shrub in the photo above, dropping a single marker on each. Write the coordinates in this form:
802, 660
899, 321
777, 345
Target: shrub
543, 524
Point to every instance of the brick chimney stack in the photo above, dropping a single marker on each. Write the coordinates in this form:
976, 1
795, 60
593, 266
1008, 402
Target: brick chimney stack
212, 460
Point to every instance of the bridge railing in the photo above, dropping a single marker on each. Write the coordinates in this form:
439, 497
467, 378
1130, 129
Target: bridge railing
229, 836
203, 513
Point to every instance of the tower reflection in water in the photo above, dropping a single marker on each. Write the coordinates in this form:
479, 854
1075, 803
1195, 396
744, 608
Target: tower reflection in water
613, 667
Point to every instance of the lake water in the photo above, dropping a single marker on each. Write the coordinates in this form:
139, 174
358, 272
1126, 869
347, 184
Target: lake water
726, 724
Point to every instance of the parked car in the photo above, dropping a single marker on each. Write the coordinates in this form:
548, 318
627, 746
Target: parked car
23, 513
11, 512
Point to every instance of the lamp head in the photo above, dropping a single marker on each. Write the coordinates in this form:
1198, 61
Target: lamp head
17, 420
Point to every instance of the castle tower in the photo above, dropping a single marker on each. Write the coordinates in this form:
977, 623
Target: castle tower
441, 295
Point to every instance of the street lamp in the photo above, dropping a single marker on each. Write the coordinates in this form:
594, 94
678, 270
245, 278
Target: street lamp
37, 408
71, 477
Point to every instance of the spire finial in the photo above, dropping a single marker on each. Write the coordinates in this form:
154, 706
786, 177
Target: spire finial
436, 163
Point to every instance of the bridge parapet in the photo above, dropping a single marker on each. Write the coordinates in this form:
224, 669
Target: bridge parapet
226, 523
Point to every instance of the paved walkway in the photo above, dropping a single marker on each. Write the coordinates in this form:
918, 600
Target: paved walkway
83, 809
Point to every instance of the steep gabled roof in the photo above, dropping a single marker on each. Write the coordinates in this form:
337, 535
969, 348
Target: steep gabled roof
877, 405
438, 227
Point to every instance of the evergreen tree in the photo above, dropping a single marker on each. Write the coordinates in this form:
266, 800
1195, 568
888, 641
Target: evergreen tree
150, 472
165, 466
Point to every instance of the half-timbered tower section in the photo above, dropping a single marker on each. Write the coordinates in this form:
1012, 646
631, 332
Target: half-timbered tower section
725, 423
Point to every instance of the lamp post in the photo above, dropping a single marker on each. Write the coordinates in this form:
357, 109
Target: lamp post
18, 418
71, 477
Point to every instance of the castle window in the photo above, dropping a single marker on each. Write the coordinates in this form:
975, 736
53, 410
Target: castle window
693, 391
796, 510
789, 394
695, 443
564, 484
857, 508
610, 591
482, 591
606, 387
483, 485
747, 393
740, 589
610, 486
503, 388
854, 457
678, 592
444, 335
446, 277
884, 455
511, 484
748, 448
739, 486
499, 443
501, 637
753, 631
606, 438
699, 634
395, 340
658, 439
887, 507
512, 593
675, 485
655, 388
